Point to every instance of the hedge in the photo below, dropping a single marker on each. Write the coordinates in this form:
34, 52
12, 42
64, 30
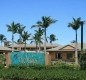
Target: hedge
42, 73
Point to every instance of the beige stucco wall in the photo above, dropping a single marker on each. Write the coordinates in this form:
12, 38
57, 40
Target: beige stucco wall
63, 54
7, 55
52, 54
47, 59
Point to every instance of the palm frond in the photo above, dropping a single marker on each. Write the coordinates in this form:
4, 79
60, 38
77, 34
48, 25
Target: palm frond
34, 26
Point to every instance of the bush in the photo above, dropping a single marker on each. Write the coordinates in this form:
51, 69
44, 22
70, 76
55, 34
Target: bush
2, 61
19, 66
83, 61
42, 73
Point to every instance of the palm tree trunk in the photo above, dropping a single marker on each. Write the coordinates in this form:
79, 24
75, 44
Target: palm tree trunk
81, 37
20, 41
39, 47
12, 42
25, 46
76, 52
51, 44
45, 40
36, 47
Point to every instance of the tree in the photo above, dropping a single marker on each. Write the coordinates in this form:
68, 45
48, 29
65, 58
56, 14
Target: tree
20, 31
45, 23
37, 38
39, 34
25, 37
52, 38
2, 38
82, 23
75, 26
12, 28
34, 39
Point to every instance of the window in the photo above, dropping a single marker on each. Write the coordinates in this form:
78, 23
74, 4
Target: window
69, 55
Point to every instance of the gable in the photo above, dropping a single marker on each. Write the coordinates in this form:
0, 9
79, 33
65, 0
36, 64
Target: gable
67, 47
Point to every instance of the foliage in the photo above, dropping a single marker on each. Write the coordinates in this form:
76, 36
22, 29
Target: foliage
20, 32
37, 38
52, 38
2, 38
39, 72
44, 23
75, 24
83, 61
59, 71
65, 65
25, 37
2, 61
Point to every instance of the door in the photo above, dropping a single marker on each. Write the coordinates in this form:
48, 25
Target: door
58, 56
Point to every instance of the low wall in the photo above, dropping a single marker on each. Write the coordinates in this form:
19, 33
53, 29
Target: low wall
28, 58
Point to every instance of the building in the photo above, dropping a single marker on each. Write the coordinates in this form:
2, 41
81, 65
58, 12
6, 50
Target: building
4, 53
65, 53
32, 47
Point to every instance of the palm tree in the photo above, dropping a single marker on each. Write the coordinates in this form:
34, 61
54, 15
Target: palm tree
82, 23
39, 34
52, 38
75, 26
34, 39
45, 23
20, 31
12, 28
25, 37
2, 38
37, 38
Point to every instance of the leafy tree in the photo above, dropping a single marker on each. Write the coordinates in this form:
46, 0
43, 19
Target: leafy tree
44, 23
52, 38
37, 38
2, 38
20, 31
12, 28
25, 37
34, 39
75, 26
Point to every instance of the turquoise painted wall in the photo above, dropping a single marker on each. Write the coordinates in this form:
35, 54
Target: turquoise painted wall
27, 58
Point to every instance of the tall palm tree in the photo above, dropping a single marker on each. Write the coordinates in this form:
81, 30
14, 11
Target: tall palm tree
82, 23
25, 37
12, 28
20, 31
2, 38
37, 38
52, 38
39, 34
45, 23
34, 39
75, 26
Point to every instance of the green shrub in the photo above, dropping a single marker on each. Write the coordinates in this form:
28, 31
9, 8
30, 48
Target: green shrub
45, 73
2, 61
19, 66
83, 61
1, 66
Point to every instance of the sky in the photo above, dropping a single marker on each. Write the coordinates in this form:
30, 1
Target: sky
28, 12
